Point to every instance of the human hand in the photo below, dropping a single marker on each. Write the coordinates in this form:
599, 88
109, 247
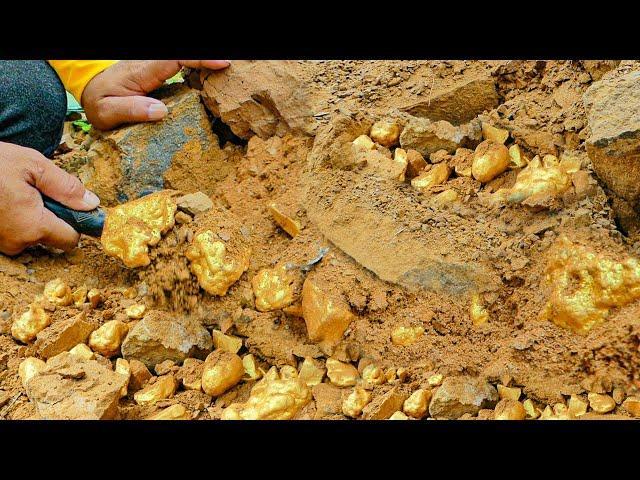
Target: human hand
117, 95
24, 221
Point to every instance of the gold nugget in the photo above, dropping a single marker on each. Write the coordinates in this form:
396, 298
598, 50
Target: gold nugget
406, 335
539, 179
164, 387
355, 402
436, 176
288, 224
326, 317
386, 134
222, 371
30, 323
58, 293
107, 339
489, 160
174, 412
274, 288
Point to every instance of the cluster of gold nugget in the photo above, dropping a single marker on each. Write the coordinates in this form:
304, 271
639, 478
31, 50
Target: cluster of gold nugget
585, 286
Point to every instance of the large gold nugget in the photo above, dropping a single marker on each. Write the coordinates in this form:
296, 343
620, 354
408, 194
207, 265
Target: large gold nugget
215, 269
539, 179
585, 286
132, 227
274, 288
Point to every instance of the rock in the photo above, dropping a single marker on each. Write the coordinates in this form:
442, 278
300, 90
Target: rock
174, 412
140, 374
459, 395
159, 337
64, 335
460, 103
179, 152
355, 402
613, 112
190, 374
597, 68
221, 371
428, 137
341, 374
71, 388
382, 407
265, 98
328, 400
415, 163
632, 405
195, 203
165, 367
508, 409
164, 387
4, 398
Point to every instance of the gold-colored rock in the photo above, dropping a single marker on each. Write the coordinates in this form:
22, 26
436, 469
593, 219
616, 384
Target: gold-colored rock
401, 158
80, 296
601, 403
445, 198
435, 380
586, 285
29, 368
251, 370
274, 288
561, 411
272, 398
436, 176
214, 267
29, 324
355, 402
507, 409
228, 343
550, 161
58, 293
123, 368
489, 160
417, 404
83, 351
136, 312
416, 163
538, 179
311, 372
570, 164
518, 159
405, 336
191, 374
496, 135
390, 374
530, 409
477, 311
288, 224
373, 375
632, 406
163, 387
287, 372
222, 371
95, 297
577, 407
326, 317
363, 142
341, 374
294, 310
402, 373
107, 339
547, 414
386, 134
510, 393
130, 293
398, 416
174, 412
131, 228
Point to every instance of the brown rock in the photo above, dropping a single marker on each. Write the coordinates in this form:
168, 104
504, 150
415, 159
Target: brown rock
428, 137
165, 367
416, 163
459, 395
328, 400
62, 336
383, 406
326, 317
71, 388
194, 203
139, 375
190, 374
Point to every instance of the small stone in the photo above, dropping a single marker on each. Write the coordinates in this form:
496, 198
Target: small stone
405, 336
195, 203
435, 380
58, 292
227, 343
341, 374
459, 395
507, 409
577, 406
63, 335
489, 160
398, 416
509, 393
174, 412
80, 296
386, 134
29, 368
363, 142
251, 369
139, 375
136, 312
123, 368
95, 297
83, 351
436, 176
417, 404
288, 224
403, 374
355, 402
601, 403
107, 339
30, 323
618, 395
439, 156
183, 218
190, 374
383, 406
164, 387
632, 406
415, 163
496, 135
373, 375
530, 409
311, 372
164, 367
222, 371
477, 311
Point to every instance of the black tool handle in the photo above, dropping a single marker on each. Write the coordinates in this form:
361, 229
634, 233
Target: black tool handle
90, 223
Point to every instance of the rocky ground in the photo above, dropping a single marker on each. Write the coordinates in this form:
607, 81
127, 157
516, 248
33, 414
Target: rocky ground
347, 240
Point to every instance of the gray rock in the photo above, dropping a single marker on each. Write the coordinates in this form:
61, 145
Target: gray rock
428, 137
195, 203
459, 395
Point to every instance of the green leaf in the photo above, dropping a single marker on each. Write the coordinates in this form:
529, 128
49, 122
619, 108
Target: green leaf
177, 78
82, 125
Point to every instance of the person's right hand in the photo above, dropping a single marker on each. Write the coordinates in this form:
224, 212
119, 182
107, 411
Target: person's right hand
24, 221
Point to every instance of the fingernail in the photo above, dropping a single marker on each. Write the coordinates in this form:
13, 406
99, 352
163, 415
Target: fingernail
157, 111
90, 199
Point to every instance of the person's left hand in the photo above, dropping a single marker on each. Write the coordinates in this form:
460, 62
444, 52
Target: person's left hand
117, 95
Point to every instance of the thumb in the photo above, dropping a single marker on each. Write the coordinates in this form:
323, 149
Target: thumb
60, 185
114, 111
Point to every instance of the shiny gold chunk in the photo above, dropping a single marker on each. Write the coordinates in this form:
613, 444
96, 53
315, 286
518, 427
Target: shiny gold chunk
632, 406
287, 372
510, 393
174, 412
540, 180
29, 324
130, 293
435, 380
83, 351
496, 135
586, 285
390, 374
58, 292
400, 157
445, 198
386, 134
577, 407
436, 176
601, 403
274, 288
477, 311
547, 414
489, 160
95, 297
107, 339
251, 370
214, 267
398, 416
311, 372
363, 142
288, 224
326, 317
80, 296
373, 375
131, 228
136, 312
355, 402
123, 368
272, 398
228, 343
222, 371
405, 336
530, 409
561, 411
417, 404
164, 387
518, 159
509, 410
341, 374
29, 368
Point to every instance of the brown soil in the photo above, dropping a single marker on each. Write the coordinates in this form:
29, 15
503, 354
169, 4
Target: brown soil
498, 252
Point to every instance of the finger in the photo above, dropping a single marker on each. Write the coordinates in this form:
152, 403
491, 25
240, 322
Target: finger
210, 64
57, 233
54, 182
151, 74
114, 111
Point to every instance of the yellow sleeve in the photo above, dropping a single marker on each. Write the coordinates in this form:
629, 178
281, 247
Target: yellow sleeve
76, 74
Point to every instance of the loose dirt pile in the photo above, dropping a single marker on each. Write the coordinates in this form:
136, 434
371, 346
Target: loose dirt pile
378, 240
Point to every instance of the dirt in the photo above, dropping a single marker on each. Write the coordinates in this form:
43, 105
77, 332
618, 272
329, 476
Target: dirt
394, 258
